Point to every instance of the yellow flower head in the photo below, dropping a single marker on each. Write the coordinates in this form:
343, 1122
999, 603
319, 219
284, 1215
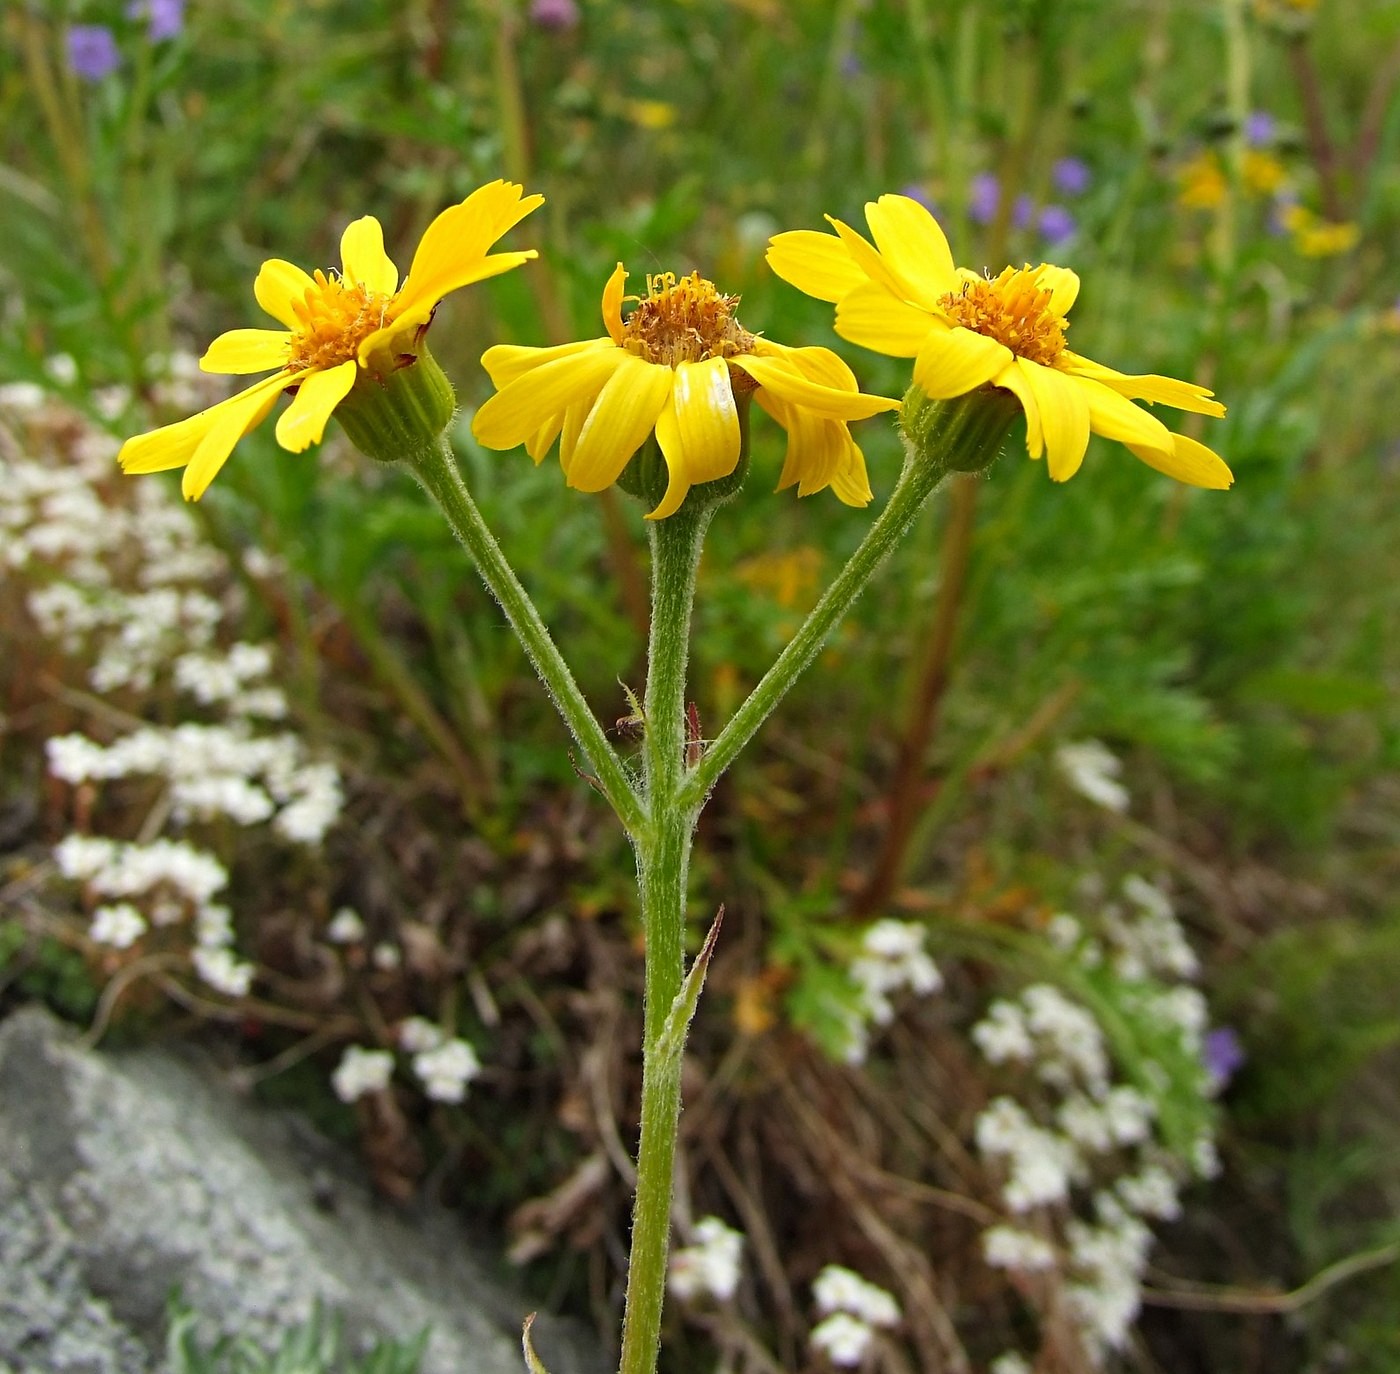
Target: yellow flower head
1263, 173
1201, 183
1314, 237
675, 366
354, 327
903, 296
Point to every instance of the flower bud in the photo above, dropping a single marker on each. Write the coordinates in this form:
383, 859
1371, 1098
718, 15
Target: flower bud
404, 411
963, 434
646, 475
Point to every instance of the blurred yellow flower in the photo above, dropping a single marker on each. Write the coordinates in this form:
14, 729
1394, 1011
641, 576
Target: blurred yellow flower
1314, 237
904, 296
790, 577
1201, 183
342, 329
650, 114
1263, 173
675, 367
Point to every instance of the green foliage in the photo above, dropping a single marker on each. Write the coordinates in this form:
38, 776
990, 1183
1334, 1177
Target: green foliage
48, 971
316, 1347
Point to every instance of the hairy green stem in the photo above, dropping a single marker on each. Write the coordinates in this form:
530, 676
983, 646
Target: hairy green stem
662, 863
435, 466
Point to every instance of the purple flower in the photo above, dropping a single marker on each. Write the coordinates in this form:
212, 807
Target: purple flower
1056, 224
167, 17
1223, 1055
984, 195
1259, 129
1071, 176
1022, 212
554, 14
92, 51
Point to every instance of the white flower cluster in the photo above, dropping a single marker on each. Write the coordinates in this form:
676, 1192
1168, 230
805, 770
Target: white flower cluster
853, 1309
1093, 770
709, 1267
444, 1065
1084, 1170
214, 772
130, 585
892, 959
174, 882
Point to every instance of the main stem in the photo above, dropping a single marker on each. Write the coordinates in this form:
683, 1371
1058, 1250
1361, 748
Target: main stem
662, 862
436, 468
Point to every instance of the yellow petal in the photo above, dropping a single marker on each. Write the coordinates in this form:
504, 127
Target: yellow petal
1115, 417
522, 408
954, 361
236, 417
612, 303
504, 363
304, 421
786, 382
1061, 283
1147, 386
618, 424
574, 418
279, 284
1012, 379
871, 317
1063, 406
172, 446
247, 350
539, 443
818, 365
811, 456
452, 252
698, 430
851, 482
868, 260
820, 452
363, 259
815, 263
1189, 462
914, 247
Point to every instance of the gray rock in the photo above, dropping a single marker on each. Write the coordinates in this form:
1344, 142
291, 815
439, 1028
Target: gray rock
123, 1176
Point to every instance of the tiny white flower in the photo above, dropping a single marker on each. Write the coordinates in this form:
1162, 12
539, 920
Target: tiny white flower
843, 1339
82, 857
1008, 1247
447, 1069
1092, 769
386, 957
362, 1071
218, 967
417, 1033
119, 925
838, 1289
1011, 1362
346, 927
711, 1265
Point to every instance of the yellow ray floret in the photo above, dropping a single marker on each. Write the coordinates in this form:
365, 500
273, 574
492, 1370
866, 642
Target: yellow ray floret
676, 367
903, 295
340, 329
